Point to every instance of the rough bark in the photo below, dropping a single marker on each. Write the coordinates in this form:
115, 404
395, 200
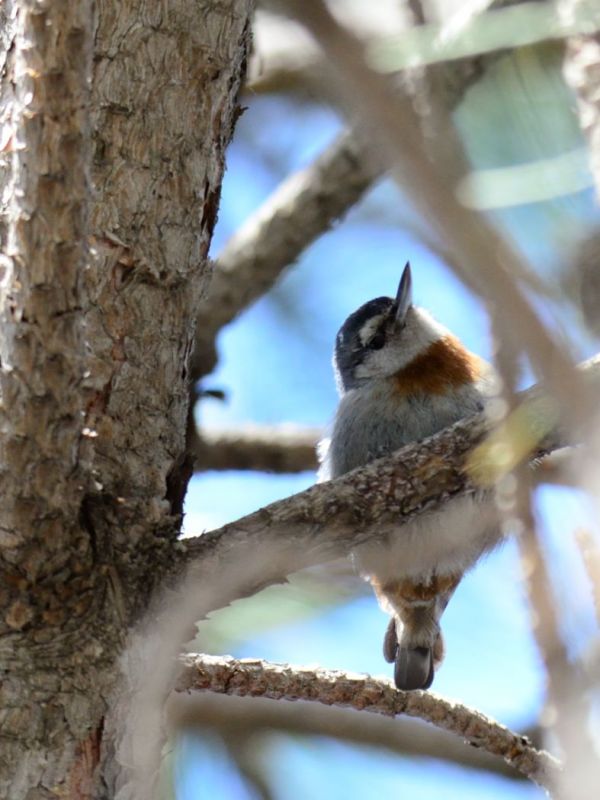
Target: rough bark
49, 585
369, 504
95, 344
256, 678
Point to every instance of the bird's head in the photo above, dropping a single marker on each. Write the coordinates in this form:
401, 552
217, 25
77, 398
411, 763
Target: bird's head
382, 337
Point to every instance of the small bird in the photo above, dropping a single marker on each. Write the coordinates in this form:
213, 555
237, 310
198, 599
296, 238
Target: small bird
402, 377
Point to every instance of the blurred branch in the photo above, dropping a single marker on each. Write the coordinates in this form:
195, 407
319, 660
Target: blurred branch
400, 737
259, 678
486, 261
276, 448
568, 710
242, 753
283, 59
582, 62
306, 205
417, 12
372, 502
590, 555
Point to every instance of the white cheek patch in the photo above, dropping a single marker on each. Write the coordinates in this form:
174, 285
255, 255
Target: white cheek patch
369, 329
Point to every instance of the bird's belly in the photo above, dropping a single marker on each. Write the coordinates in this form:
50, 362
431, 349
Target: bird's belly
448, 541
445, 542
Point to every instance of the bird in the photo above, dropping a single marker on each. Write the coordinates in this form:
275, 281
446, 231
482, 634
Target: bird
402, 377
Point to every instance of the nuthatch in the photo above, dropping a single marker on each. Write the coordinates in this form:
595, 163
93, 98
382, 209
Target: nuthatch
402, 377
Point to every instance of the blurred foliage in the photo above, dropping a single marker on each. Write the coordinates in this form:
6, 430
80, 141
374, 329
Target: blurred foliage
498, 29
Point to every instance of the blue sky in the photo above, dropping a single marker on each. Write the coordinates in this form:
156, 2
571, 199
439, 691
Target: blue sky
275, 367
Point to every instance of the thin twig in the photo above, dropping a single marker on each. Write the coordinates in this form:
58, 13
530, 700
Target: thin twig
277, 681
568, 712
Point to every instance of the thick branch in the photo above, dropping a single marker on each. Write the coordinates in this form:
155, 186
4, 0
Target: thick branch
95, 344
401, 737
330, 519
282, 448
258, 678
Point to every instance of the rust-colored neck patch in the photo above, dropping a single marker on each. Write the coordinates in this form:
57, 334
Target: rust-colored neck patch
445, 364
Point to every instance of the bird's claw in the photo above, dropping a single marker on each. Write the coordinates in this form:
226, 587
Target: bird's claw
390, 642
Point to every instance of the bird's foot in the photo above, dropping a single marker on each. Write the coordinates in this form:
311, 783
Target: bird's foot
390, 642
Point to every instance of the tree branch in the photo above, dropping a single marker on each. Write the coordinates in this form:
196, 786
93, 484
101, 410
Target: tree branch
582, 57
277, 448
327, 521
400, 737
331, 519
303, 207
276, 681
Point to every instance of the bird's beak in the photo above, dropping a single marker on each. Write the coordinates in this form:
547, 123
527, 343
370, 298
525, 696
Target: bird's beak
404, 296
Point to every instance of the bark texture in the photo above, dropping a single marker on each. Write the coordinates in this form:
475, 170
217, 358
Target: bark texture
95, 344
369, 504
251, 717
49, 583
280, 681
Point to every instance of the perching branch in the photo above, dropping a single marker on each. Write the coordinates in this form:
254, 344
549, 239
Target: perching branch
274, 448
277, 681
372, 502
401, 737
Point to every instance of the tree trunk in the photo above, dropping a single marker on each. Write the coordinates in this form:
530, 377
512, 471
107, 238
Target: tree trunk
97, 301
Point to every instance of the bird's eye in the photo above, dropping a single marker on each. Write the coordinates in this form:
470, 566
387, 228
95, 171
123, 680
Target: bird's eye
378, 340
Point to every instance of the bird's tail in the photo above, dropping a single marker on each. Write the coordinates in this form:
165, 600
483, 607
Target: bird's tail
413, 641
414, 665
